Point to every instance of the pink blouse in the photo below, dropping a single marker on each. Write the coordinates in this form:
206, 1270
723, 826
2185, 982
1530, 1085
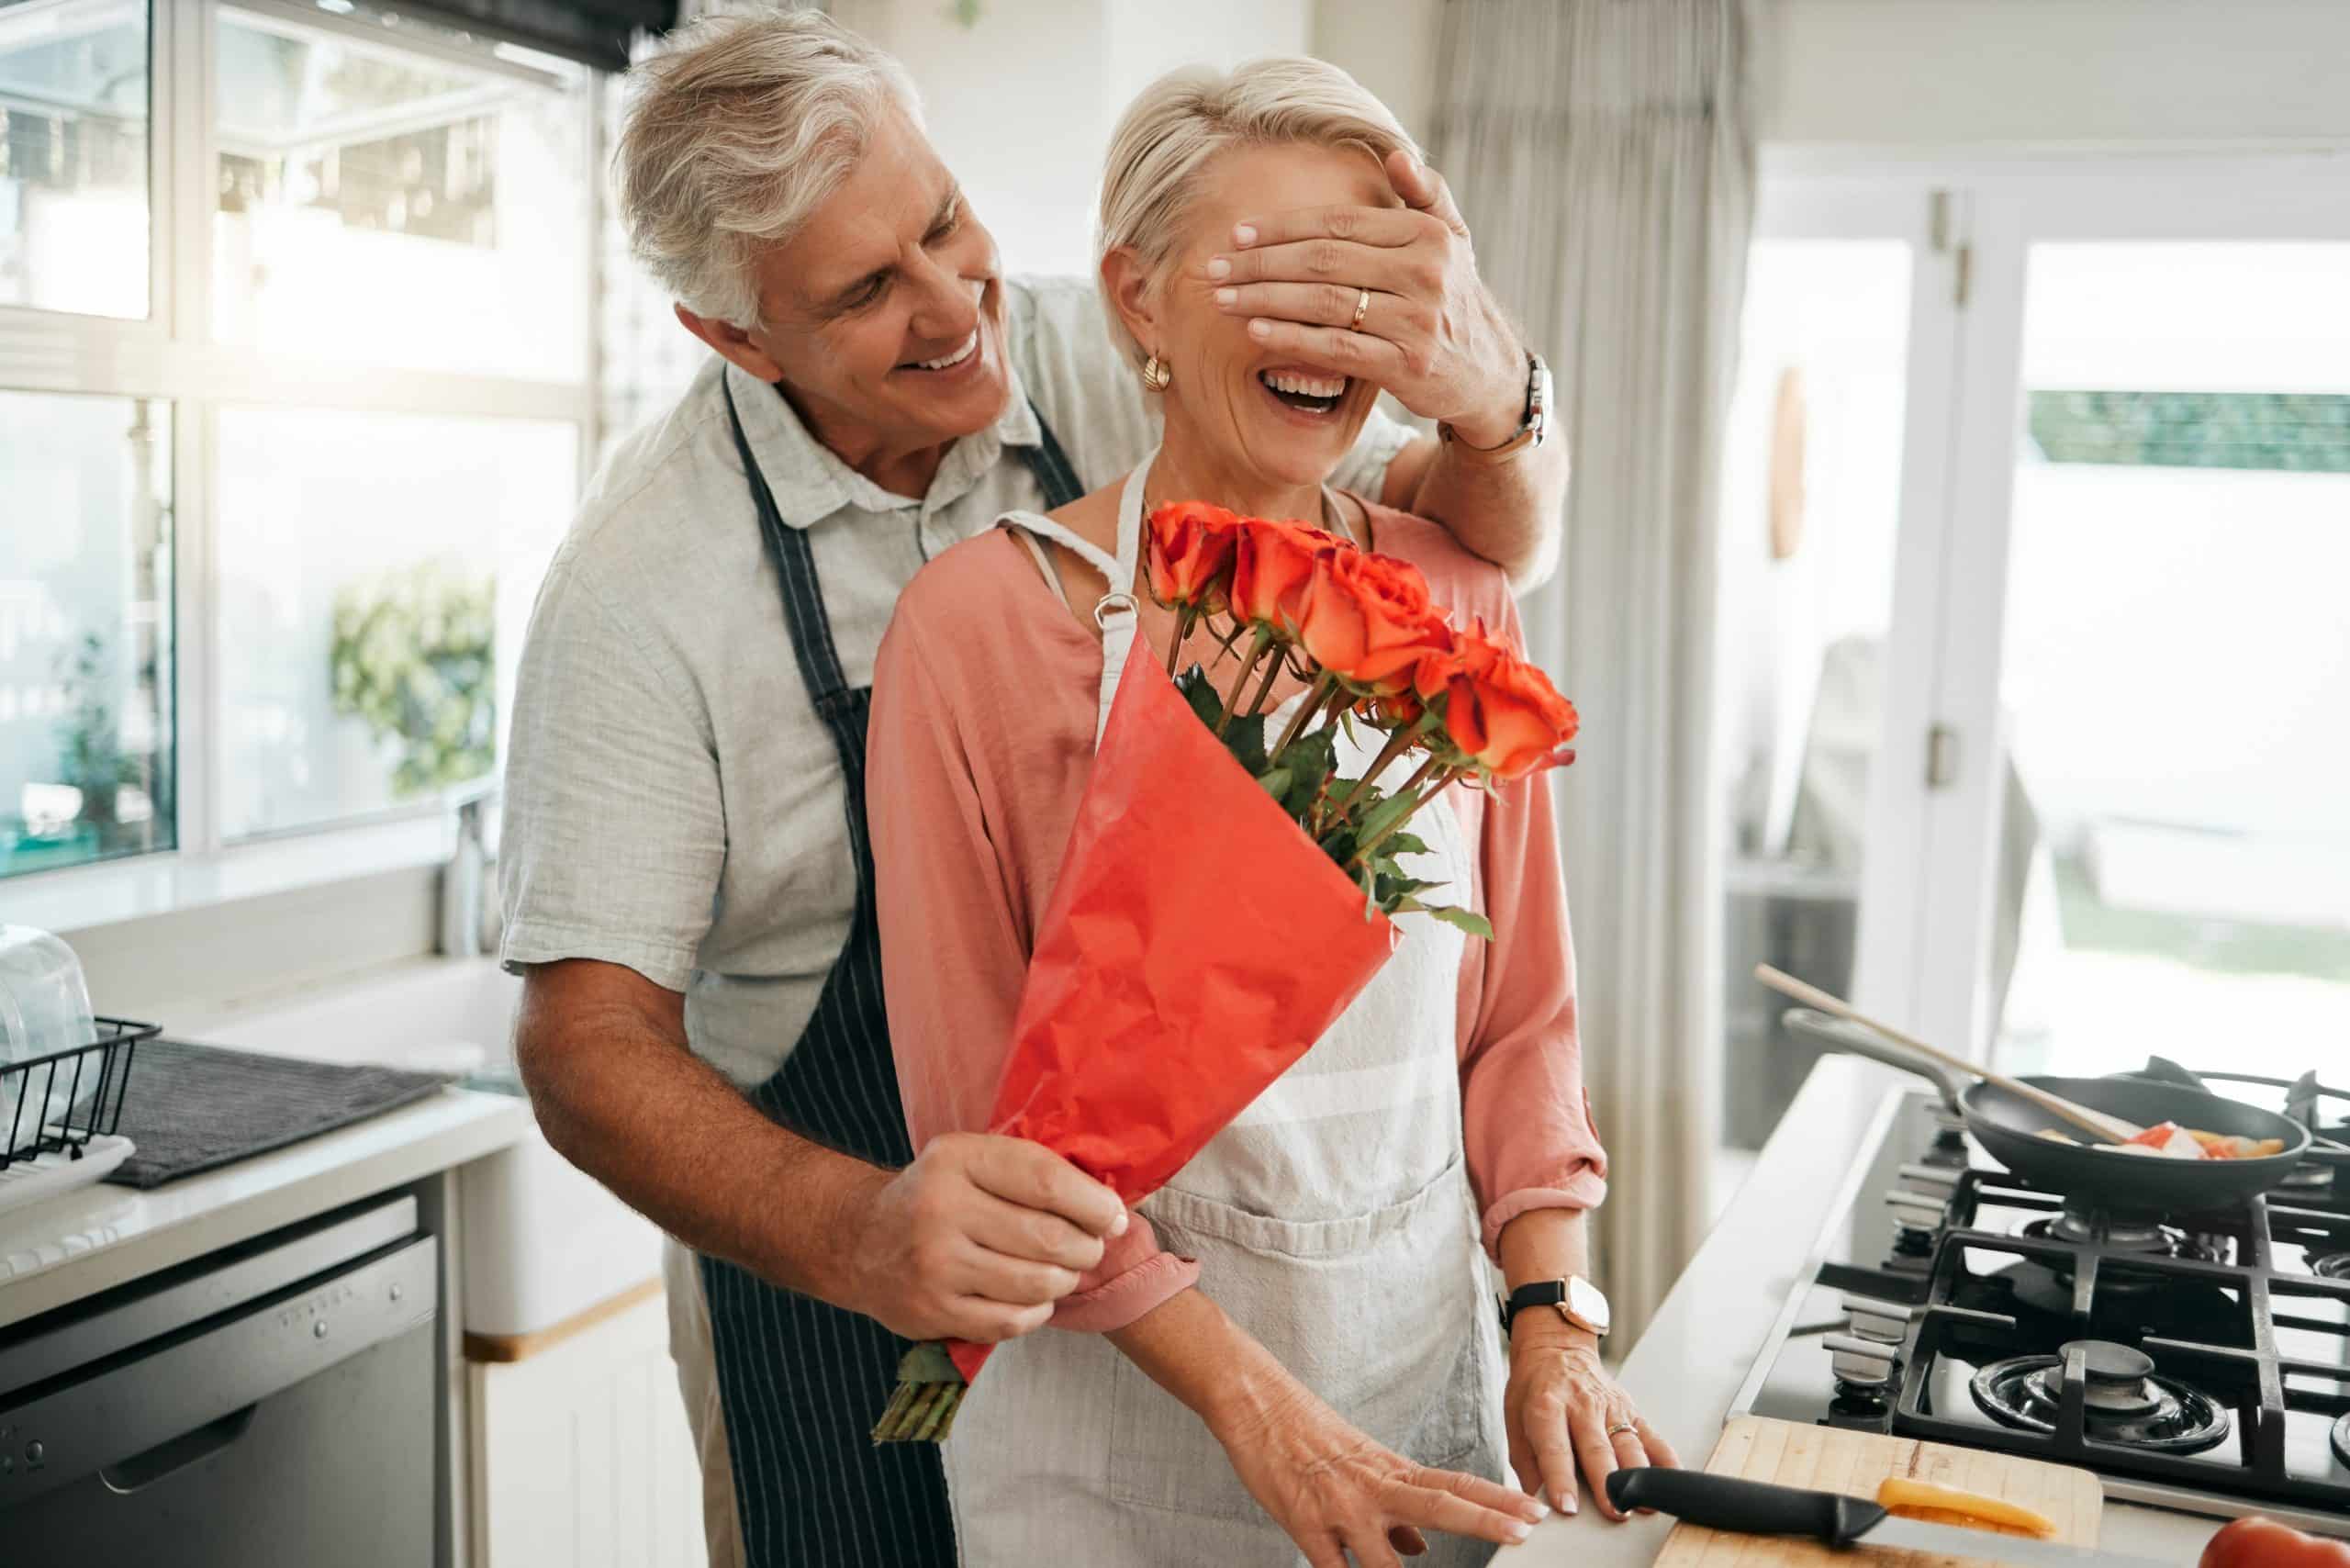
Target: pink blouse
985, 695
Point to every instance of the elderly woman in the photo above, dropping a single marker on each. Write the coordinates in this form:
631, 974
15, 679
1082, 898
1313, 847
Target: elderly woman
1290, 1350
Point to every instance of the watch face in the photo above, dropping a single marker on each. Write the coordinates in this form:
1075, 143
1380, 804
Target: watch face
1585, 1301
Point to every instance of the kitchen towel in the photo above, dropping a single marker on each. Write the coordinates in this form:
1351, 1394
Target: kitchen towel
192, 1108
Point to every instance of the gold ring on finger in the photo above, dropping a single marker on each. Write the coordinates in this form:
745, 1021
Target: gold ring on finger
1362, 308
1619, 1426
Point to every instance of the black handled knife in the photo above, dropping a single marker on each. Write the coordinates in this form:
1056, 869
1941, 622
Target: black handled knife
1757, 1507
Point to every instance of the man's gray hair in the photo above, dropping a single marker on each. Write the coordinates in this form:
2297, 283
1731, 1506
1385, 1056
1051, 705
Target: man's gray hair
734, 134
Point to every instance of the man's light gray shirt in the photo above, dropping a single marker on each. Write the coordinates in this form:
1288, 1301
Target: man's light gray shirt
673, 802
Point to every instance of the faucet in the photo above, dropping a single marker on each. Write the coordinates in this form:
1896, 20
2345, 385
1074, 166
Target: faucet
465, 880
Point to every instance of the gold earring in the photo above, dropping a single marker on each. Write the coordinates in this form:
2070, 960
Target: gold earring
1156, 374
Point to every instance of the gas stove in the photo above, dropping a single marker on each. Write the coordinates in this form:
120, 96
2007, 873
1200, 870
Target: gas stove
2197, 1362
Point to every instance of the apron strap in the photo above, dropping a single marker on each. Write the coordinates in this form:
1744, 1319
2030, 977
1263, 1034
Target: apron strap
1050, 464
795, 570
1114, 612
1044, 561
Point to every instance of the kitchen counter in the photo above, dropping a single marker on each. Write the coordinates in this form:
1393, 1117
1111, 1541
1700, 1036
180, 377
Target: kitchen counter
1688, 1366
100, 1237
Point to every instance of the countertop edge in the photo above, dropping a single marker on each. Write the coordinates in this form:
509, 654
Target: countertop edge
187, 1220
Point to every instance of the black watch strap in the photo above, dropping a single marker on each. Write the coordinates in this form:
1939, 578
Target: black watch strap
1541, 1293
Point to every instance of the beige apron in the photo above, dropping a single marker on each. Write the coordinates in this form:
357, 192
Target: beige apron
1333, 1220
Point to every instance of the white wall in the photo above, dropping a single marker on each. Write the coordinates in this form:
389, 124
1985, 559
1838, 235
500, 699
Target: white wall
1022, 102
1984, 73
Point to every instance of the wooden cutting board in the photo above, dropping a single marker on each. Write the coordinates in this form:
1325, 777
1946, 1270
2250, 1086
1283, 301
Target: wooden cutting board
1827, 1460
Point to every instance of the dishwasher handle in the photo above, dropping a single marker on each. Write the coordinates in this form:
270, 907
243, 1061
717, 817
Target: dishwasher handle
133, 1414
172, 1455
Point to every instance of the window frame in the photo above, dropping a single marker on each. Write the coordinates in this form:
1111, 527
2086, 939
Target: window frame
170, 355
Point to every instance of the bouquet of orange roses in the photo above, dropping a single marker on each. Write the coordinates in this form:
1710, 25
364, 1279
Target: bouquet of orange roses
1165, 991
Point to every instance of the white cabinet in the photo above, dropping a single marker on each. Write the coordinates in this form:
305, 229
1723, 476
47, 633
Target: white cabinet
581, 1458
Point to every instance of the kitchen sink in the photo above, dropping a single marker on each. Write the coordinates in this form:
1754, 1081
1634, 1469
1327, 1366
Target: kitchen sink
542, 1241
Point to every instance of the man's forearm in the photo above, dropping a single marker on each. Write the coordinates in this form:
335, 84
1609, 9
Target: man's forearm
1508, 512
679, 1144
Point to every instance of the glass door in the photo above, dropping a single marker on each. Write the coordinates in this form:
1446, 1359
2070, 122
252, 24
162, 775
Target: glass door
2145, 607
1846, 294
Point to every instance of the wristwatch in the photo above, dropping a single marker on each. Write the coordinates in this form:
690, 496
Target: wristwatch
1577, 1299
1531, 431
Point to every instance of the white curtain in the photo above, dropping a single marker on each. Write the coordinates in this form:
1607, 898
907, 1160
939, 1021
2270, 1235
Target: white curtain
1603, 153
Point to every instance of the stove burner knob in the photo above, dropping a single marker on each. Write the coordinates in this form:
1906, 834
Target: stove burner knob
1862, 1364
1939, 1180
1883, 1322
1916, 1211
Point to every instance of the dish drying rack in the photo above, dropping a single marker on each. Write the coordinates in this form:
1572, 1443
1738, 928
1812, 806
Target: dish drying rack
39, 1157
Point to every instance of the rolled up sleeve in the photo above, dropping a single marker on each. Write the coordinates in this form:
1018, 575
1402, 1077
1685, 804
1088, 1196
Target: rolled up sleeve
953, 956
614, 836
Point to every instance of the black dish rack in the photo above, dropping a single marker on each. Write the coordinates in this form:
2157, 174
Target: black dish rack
28, 1088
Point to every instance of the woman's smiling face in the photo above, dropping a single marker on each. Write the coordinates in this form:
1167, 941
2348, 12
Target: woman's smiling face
1260, 409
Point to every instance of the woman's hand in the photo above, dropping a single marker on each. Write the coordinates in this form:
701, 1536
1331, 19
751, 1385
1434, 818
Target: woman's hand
1562, 1407
1336, 1491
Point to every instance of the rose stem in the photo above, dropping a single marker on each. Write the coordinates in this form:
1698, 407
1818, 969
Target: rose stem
1182, 631
950, 1396
1305, 710
1430, 765
1396, 747
1264, 639
1272, 674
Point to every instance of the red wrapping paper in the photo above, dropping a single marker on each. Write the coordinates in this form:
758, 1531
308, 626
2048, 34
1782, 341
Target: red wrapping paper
1196, 944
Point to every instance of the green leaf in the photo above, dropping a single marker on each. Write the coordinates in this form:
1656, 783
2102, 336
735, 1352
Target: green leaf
1202, 694
1276, 783
1401, 842
1245, 739
1394, 809
1467, 920
1309, 761
1393, 888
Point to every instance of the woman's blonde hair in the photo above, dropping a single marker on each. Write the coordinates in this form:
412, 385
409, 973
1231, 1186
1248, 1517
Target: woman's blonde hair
1187, 117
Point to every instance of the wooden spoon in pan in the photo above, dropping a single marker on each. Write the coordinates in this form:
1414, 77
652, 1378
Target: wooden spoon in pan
2109, 1129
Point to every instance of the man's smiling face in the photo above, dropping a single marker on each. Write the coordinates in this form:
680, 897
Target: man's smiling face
885, 311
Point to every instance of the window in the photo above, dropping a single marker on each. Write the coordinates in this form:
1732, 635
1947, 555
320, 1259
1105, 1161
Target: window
74, 155
396, 210
407, 610
276, 484
2177, 656
1812, 483
85, 629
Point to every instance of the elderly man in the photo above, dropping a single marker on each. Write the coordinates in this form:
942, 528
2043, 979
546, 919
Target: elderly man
687, 884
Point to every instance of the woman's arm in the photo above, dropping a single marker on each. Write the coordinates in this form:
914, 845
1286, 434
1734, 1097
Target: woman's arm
1534, 1154
1331, 1488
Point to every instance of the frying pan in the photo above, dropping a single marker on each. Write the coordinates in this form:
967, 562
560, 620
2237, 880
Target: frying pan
2007, 1126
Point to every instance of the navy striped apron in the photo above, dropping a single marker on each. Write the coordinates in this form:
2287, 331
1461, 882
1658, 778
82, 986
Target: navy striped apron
801, 1383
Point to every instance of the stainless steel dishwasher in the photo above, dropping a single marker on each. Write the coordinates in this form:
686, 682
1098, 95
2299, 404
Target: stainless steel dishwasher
270, 1406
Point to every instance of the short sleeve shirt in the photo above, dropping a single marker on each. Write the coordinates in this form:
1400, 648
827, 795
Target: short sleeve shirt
674, 803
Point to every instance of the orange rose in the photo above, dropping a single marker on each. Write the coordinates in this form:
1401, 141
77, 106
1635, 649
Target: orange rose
1501, 712
1190, 550
1272, 565
1367, 618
